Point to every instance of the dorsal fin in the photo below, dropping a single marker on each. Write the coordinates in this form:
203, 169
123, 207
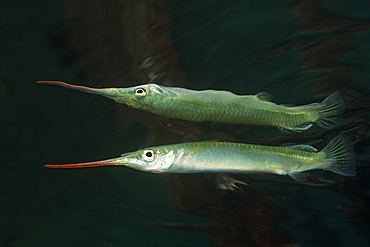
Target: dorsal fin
264, 96
306, 148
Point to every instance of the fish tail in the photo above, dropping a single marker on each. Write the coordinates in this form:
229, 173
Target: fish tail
340, 156
327, 114
330, 111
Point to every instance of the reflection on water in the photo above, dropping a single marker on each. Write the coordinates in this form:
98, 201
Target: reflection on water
288, 48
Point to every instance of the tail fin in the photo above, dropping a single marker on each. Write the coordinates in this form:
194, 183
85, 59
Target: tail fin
327, 114
340, 150
330, 111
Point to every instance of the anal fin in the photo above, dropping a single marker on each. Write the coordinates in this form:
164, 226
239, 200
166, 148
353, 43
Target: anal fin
299, 176
305, 178
297, 128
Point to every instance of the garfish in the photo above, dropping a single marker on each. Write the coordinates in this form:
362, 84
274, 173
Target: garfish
227, 157
222, 106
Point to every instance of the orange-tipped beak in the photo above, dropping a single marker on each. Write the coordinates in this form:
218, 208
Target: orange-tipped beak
112, 162
107, 92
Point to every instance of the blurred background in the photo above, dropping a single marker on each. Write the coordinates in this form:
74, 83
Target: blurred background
298, 50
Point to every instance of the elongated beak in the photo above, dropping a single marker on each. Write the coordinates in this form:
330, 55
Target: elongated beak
111, 93
111, 162
129, 160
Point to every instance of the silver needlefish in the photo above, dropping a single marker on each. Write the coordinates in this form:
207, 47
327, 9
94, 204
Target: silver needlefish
222, 106
227, 157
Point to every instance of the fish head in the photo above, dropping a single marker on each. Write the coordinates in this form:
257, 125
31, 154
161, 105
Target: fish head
156, 160
144, 97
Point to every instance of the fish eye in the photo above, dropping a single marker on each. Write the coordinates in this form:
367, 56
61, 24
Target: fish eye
148, 155
140, 92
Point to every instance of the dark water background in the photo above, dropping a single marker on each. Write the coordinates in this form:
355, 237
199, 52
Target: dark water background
222, 44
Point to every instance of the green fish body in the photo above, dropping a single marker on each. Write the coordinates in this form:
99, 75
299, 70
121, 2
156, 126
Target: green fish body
222, 106
200, 157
